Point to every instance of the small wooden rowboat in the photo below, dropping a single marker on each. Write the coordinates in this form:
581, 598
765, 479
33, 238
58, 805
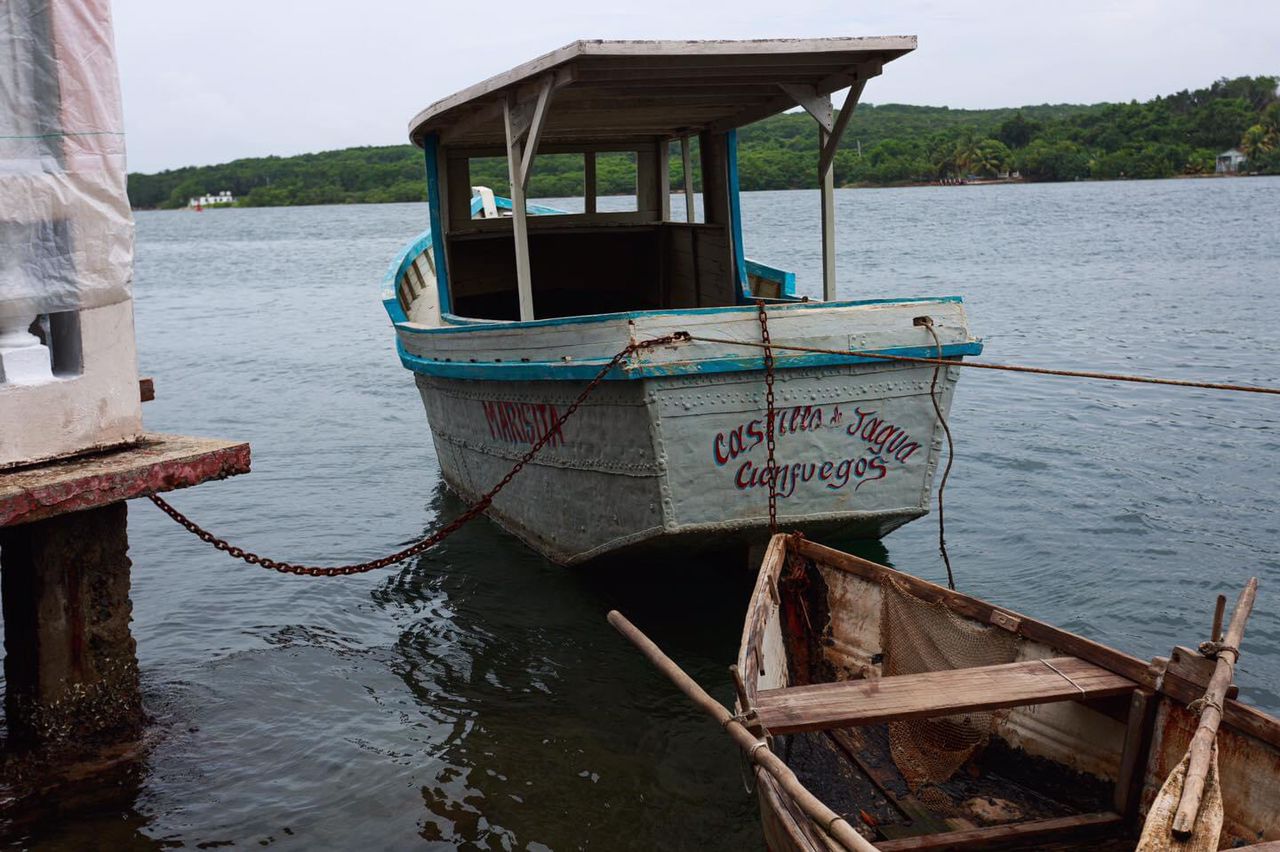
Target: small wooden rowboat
884, 712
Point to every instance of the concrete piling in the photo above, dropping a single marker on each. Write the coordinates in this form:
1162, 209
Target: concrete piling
70, 665
71, 668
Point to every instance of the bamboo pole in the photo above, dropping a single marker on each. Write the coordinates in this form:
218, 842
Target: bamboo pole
1200, 752
756, 749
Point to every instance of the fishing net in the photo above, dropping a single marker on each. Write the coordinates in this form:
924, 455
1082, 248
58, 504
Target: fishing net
1157, 832
918, 636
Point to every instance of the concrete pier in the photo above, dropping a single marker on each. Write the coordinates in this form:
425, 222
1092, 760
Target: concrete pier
70, 661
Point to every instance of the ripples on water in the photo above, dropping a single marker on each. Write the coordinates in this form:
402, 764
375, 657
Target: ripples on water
476, 696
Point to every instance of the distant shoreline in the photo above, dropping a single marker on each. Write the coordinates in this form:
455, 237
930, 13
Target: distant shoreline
901, 185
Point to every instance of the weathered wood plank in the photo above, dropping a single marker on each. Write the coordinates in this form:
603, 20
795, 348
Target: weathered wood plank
978, 838
156, 463
890, 699
1133, 756
1195, 668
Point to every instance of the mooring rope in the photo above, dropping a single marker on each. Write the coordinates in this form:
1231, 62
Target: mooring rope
439, 535
927, 322
1012, 368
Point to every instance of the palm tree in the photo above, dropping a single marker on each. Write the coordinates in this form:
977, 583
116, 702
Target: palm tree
990, 158
966, 155
1256, 142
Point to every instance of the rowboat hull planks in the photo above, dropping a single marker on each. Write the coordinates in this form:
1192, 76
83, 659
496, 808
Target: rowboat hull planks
820, 618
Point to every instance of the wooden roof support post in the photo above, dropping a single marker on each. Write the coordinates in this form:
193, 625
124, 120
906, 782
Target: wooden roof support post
524, 122
589, 182
827, 180
687, 163
830, 129
662, 154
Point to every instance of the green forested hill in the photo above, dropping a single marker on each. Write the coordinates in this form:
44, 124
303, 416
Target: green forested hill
885, 144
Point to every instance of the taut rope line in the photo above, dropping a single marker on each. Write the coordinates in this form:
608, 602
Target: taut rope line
1012, 368
767, 345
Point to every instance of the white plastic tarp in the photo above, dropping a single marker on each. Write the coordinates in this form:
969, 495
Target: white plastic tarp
66, 232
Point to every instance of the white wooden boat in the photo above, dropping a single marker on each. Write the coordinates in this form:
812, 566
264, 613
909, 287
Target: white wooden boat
503, 319
929, 719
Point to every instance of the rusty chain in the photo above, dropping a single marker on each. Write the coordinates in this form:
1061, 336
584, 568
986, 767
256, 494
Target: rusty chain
444, 532
770, 441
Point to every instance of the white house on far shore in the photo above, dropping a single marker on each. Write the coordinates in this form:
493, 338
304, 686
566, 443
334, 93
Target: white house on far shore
1229, 162
224, 197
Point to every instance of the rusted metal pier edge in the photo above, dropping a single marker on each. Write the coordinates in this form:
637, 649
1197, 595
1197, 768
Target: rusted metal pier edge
71, 670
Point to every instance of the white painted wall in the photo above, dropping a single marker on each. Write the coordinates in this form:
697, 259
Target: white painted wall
68, 414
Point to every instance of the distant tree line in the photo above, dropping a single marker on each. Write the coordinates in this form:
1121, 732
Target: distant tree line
883, 145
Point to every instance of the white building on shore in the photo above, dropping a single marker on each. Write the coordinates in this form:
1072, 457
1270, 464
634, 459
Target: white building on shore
1229, 162
224, 198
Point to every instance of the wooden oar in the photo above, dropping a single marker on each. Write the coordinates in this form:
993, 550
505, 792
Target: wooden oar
1183, 793
756, 749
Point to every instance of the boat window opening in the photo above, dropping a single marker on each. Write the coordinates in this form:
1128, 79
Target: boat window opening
624, 247
558, 183
616, 181
491, 173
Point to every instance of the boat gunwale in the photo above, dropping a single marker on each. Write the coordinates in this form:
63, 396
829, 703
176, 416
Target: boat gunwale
508, 371
460, 324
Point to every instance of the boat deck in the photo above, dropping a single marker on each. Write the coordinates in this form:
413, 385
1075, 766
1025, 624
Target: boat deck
852, 771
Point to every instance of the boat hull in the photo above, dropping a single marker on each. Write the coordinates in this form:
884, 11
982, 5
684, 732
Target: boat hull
680, 461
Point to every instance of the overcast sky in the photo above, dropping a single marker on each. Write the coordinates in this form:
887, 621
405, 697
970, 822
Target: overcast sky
207, 82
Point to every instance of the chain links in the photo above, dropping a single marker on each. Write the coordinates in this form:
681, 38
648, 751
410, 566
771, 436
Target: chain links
770, 441
453, 526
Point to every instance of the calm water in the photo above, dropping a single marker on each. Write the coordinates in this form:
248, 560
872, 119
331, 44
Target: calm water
476, 697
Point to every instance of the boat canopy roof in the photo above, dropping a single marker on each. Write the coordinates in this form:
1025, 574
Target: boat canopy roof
611, 91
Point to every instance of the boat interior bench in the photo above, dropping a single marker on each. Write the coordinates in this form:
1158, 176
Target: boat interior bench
891, 699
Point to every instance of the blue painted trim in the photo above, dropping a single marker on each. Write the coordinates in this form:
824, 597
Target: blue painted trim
735, 217
786, 280
510, 371
532, 209
431, 148
396, 271
459, 324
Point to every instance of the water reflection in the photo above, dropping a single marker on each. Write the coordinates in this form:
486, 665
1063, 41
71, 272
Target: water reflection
34, 808
558, 734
